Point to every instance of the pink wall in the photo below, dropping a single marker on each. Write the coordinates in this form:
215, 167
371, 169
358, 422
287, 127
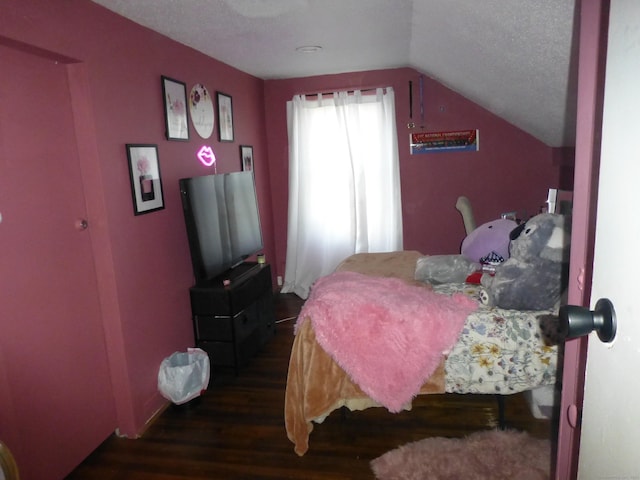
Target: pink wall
511, 172
142, 262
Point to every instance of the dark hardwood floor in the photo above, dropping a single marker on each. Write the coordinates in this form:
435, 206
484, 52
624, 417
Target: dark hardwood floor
236, 429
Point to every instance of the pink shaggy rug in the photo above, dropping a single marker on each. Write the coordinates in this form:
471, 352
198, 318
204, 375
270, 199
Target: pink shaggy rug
389, 336
488, 455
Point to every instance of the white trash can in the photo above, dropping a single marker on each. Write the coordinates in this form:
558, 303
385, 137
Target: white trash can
184, 376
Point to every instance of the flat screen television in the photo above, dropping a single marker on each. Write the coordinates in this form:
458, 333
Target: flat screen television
222, 220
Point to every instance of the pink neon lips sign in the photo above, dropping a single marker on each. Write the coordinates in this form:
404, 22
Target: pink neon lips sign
206, 156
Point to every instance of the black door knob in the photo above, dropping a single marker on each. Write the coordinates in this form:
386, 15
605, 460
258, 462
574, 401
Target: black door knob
579, 321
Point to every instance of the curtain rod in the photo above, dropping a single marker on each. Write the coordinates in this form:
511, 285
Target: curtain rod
363, 90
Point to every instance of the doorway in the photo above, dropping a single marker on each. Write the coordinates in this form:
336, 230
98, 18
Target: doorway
59, 402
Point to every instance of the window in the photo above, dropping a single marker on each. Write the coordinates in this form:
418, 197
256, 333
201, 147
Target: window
344, 183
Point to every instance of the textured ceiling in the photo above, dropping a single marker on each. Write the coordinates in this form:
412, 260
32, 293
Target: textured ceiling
516, 58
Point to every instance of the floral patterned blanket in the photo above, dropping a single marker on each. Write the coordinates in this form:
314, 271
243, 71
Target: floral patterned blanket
502, 351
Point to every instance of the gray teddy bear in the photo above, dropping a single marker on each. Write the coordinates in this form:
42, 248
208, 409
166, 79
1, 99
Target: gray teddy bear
535, 275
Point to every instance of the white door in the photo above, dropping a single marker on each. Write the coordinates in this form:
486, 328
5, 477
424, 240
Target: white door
610, 435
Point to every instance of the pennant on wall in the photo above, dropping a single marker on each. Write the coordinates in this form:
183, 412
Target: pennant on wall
432, 142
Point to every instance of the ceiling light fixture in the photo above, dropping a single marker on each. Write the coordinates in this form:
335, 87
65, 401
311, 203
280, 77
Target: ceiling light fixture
309, 49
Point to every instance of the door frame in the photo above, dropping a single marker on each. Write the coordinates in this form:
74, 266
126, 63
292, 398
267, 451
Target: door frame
593, 18
93, 187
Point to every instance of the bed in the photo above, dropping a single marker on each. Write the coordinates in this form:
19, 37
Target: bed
495, 351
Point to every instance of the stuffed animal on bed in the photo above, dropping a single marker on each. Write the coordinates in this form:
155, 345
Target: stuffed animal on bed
437, 269
487, 244
535, 275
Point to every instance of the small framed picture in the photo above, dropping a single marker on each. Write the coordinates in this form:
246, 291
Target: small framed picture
175, 109
146, 183
225, 117
246, 157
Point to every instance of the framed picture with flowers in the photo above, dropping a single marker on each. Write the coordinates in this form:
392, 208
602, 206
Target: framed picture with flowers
146, 182
225, 117
175, 109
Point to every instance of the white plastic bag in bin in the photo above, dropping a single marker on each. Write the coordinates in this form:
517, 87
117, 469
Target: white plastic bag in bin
183, 376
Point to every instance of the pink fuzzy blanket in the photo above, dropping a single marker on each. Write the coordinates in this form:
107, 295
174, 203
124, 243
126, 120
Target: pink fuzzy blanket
389, 336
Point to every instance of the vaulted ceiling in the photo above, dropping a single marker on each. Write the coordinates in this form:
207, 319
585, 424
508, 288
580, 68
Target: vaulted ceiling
516, 58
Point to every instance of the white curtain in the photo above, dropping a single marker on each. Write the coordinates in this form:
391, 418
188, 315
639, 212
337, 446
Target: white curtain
344, 182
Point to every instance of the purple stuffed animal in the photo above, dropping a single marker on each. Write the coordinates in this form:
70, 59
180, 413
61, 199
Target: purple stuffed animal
489, 243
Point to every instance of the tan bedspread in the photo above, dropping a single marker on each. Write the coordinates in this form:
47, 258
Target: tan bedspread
316, 385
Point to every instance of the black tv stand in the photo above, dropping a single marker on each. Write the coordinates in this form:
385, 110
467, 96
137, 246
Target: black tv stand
233, 314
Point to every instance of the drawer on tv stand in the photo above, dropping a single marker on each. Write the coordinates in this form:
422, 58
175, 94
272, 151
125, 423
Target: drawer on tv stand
227, 329
225, 354
214, 298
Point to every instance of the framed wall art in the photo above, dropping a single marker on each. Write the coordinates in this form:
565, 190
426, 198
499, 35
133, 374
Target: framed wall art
175, 109
146, 182
246, 157
201, 110
225, 117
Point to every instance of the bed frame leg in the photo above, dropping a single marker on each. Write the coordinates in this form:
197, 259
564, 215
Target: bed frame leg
501, 420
